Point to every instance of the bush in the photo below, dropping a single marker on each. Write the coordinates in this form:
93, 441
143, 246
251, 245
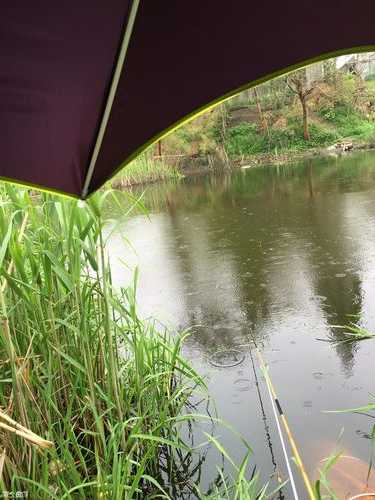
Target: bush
320, 136
245, 139
348, 121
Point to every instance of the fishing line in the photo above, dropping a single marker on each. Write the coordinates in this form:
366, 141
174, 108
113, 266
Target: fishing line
276, 404
265, 423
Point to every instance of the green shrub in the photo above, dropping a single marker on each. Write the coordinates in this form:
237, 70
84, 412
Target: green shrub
245, 139
348, 121
320, 136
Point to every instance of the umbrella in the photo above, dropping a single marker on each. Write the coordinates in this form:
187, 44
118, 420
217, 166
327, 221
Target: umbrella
85, 86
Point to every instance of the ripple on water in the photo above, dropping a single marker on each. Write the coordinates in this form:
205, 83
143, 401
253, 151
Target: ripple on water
241, 381
242, 384
321, 297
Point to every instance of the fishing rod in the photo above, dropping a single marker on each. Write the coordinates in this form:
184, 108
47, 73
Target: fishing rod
278, 413
289, 469
265, 423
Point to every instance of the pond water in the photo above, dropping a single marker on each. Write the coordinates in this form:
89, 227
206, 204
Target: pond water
278, 254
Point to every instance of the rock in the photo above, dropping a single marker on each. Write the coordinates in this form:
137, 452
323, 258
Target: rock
344, 146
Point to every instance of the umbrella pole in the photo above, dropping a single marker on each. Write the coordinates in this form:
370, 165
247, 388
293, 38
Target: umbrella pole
111, 96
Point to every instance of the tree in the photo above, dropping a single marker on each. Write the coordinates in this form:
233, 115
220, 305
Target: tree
330, 71
262, 118
297, 84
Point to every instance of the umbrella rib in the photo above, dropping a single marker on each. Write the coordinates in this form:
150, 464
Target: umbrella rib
111, 95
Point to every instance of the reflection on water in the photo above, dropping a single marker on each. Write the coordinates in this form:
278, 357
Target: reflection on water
280, 254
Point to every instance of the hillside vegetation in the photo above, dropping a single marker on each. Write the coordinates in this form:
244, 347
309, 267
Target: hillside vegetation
274, 122
336, 112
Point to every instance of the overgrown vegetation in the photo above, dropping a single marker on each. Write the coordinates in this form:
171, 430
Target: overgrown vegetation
143, 169
348, 121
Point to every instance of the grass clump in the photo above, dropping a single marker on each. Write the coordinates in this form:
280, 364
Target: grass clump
145, 169
79, 368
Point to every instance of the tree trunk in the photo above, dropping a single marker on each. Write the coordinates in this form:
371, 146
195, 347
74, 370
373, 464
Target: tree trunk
306, 133
302, 96
262, 119
224, 125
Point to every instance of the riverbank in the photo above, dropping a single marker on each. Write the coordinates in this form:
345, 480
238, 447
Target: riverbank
148, 170
264, 126
145, 170
334, 150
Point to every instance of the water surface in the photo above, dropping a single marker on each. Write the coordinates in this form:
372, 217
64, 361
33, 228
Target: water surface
275, 254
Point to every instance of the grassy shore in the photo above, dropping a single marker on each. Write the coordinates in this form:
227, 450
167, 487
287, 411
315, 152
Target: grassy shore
145, 169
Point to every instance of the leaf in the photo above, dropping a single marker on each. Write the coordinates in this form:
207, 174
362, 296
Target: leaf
68, 358
60, 270
153, 481
222, 450
159, 440
5, 242
368, 407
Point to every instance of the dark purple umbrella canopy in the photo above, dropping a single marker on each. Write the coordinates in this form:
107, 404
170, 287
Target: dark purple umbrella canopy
85, 86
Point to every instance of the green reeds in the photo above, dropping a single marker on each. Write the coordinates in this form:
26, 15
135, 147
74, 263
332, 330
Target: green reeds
78, 367
145, 169
237, 485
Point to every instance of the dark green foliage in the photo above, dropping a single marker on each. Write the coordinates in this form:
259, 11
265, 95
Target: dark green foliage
244, 139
